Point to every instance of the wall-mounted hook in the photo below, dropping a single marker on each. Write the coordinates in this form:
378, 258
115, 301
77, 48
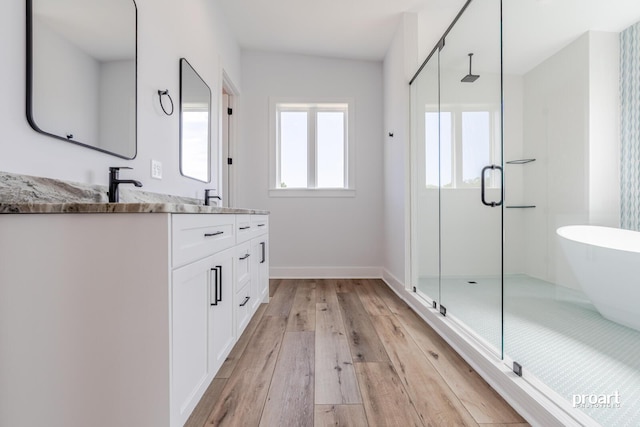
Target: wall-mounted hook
162, 93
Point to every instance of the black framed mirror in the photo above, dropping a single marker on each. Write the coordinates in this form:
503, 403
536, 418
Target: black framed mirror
81, 72
195, 124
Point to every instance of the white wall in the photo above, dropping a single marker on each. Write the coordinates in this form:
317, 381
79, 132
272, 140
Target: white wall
570, 126
315, 236
604, 128
167, 31
400, 62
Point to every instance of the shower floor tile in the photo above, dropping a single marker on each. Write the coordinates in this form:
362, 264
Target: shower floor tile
555, 334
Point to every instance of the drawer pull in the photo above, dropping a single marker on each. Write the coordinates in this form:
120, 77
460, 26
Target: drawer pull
217, 233
246, 300
244, 257
245, 227
261, 225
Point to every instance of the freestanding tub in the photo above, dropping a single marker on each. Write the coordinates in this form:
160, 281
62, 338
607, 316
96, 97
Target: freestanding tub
606, 262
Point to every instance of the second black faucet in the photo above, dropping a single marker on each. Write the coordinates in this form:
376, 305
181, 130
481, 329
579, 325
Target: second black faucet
114, 182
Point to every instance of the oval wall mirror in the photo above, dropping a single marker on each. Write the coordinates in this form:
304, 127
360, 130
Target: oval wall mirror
81, 72
195, 124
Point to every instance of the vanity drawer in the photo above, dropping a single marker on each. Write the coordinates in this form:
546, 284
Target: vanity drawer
259, 224
195, 236
243, 261
242, 309
244, 230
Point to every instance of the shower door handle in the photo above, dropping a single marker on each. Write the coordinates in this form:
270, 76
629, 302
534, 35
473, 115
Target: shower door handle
482, 186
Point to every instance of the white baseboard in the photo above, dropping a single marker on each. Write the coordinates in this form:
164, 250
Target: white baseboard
392, 281
537, 408
325, 272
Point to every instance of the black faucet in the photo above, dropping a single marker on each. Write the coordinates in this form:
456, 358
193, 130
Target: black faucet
208, 197
114, 182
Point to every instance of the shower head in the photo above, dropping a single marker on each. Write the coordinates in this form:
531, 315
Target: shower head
470, 78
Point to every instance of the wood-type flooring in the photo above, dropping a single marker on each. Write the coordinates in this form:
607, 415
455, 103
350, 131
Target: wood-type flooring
331, 352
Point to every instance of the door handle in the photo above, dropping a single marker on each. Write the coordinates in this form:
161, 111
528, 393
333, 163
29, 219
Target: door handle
483, 184
246, 300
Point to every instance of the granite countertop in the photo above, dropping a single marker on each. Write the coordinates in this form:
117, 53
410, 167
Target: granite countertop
23, 194
79, 207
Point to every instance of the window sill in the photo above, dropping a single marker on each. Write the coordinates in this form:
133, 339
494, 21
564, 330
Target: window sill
312, 192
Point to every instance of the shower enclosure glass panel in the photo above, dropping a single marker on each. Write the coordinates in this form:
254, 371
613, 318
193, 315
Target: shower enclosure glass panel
562, 167
425, 129
471, 199
457, 175
484, 243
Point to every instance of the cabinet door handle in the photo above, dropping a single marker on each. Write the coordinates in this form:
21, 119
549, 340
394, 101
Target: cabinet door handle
244, 257
217, 233
263, 244
246, 300
261, 225
215, 287
245, 228
219, 283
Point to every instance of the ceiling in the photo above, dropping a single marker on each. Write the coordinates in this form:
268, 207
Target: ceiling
363, 29
355, 29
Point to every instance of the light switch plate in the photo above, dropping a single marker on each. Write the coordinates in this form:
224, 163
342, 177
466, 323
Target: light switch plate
156, 169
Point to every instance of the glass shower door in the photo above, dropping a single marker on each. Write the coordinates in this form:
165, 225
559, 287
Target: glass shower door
425, 155
471, 177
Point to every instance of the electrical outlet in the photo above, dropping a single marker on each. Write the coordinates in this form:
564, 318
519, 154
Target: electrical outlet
156, 169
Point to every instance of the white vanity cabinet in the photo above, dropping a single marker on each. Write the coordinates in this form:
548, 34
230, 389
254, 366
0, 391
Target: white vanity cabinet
260, 260
250, 267
202, 312
116, 319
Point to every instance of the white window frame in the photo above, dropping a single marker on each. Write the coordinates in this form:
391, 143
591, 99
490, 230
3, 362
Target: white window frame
278, 105
457, 142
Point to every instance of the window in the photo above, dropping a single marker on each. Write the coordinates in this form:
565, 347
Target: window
311, 148
468, 143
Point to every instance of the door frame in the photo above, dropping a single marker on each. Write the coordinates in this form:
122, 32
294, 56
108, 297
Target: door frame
228, 141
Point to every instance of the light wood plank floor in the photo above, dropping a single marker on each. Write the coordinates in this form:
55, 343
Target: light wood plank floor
345, 353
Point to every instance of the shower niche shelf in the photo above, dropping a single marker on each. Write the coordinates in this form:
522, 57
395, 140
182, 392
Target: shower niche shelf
520, 161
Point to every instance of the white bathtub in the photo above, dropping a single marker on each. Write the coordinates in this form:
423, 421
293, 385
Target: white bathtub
606, 262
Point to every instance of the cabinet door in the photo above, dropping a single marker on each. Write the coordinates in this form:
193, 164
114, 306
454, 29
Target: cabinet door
190, 368
221, 329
